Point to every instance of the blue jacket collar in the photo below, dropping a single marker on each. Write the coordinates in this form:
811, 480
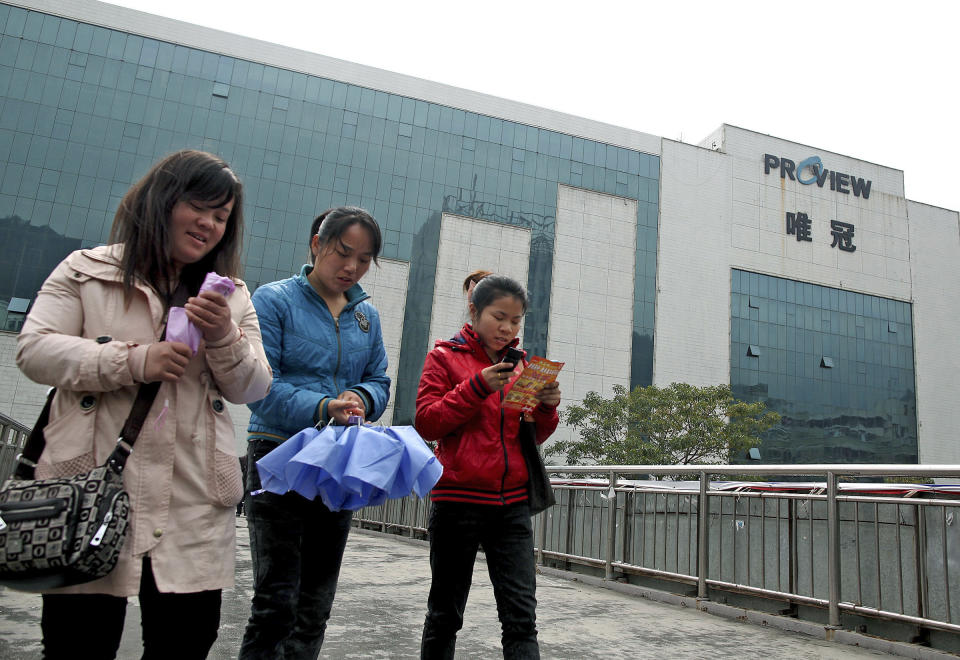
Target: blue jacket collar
355, 294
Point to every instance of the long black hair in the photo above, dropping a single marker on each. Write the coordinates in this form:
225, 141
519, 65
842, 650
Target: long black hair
332, 223
142, 222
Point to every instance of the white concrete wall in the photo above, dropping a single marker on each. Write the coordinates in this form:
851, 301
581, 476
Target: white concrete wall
466, 245
718, 210
591, 301
387, 286
934, 253
692, 342
759, 203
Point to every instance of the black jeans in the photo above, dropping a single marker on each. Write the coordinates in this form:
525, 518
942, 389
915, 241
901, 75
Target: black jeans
456, 532
182, 626
296, 545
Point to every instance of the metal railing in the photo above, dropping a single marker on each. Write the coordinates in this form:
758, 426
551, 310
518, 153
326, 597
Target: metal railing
894, 557
13, 435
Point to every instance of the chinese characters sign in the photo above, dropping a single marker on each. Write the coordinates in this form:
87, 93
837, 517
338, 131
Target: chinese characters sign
842, 236
799, 224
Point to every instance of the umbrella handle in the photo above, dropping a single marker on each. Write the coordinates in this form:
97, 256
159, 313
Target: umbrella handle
351, 420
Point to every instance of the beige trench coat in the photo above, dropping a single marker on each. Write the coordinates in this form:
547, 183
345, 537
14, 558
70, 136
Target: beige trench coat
183, 476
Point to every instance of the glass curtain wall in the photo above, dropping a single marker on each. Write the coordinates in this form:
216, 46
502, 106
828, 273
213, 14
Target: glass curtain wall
837, 365
86, 110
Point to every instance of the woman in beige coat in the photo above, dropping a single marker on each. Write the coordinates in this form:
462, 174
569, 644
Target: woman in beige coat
95, 333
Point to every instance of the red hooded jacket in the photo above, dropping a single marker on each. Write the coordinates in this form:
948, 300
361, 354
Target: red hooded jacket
477, 440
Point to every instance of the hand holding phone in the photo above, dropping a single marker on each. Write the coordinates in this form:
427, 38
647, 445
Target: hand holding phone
496, 376
512, 356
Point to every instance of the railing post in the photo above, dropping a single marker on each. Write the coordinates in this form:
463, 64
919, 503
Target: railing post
611, 526
543, 535
568, 532
703, 530
413, 516
833, 550
793, 579
920, 552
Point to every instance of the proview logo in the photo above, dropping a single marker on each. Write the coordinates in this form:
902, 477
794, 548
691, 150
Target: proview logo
811, 171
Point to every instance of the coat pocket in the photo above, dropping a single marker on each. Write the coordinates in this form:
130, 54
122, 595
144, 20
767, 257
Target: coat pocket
224, 478
228, 479
69, 448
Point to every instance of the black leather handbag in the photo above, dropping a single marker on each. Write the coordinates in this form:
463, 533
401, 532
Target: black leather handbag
64, 531
539, 491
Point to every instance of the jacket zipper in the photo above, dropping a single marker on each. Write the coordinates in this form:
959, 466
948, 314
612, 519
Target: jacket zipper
336, 326
506, 461
336, 369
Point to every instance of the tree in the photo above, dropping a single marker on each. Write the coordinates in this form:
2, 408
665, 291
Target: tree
675, 425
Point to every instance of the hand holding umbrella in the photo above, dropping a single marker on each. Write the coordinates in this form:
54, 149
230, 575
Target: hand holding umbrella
347, 404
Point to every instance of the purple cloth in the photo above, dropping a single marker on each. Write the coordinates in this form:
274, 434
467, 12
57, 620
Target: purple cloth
218, 283
180, 328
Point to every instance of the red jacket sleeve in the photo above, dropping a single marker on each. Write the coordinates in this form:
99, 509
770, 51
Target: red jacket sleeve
445, 403
546, 418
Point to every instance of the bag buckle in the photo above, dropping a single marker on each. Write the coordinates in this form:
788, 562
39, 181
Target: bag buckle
118, 458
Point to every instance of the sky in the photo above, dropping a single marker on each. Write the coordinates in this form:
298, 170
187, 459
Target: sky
876, 81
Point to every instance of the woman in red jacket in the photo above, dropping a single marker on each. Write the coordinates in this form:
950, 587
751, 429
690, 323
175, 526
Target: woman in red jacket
481, 499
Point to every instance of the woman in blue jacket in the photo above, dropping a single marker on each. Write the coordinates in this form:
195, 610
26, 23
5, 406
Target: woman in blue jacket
324, 344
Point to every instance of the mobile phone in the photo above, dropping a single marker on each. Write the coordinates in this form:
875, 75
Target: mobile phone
513, 356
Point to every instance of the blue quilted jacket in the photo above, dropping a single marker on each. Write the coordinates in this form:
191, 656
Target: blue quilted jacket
315, 356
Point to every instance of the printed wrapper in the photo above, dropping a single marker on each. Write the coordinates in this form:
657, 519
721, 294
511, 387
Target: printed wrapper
180, 328
538, 372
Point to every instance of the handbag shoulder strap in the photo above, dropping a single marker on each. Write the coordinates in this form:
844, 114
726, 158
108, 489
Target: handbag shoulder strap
141, 406
27, 459
131, 428
33, 448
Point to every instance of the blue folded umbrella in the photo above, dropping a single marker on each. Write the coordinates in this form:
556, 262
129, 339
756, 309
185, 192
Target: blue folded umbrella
350, 467
419, 469
277, 474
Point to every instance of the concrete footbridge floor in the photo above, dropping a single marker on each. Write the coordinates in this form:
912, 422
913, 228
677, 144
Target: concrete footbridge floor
382, 598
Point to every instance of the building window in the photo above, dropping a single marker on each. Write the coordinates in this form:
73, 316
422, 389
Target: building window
16, 313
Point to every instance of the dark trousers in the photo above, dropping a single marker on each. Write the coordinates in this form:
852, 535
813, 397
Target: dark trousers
182, 626
456, 532
243, 471
296, 545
